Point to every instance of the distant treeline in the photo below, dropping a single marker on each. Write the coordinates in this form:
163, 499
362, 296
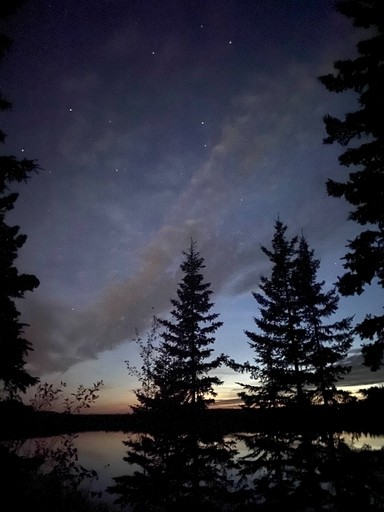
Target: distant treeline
353, 417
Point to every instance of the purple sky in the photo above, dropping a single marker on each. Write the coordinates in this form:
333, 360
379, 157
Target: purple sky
155, 122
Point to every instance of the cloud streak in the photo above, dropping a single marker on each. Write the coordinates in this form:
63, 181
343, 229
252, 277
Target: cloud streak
240, 185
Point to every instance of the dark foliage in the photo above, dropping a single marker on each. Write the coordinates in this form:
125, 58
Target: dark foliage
277, 342
177, 362
188, 336
298, 356
326, 344
13, 285
362, 134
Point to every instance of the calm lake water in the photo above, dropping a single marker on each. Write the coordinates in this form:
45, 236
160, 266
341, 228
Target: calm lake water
104, 453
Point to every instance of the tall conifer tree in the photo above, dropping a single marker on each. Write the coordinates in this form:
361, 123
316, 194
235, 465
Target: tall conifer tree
298, 356
278, 341
327, 344
13, 285
361, 133
189, 334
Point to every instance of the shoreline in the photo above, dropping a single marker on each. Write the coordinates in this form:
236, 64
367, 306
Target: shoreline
356, 417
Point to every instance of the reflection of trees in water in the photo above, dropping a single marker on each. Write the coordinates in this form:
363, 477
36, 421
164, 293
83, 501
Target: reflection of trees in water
172, 470
294, 471
45, 474
307, 471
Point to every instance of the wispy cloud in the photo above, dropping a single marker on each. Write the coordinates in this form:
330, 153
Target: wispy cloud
227, 205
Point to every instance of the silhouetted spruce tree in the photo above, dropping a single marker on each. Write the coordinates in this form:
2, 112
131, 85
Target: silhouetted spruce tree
327, 344
298, 354
188, 336
13, 346
279, 345
362, 133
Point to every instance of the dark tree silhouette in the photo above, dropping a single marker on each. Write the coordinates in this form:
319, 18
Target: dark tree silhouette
327, 344
362, 133
373, 396
14, 347
188, 336
298, 356
278, 343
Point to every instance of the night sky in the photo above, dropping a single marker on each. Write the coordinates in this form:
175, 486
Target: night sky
155, 122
